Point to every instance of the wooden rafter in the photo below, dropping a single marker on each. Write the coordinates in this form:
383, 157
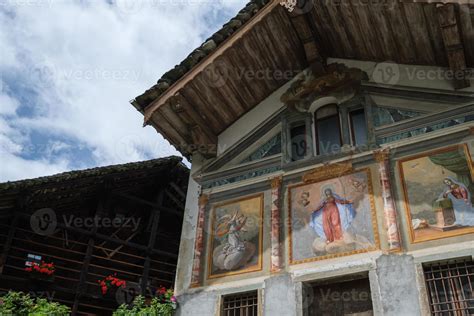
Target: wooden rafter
453, 43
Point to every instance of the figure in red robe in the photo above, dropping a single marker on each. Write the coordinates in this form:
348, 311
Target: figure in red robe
337, 214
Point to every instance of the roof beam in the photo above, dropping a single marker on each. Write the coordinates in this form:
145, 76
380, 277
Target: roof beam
306, 36
453, 43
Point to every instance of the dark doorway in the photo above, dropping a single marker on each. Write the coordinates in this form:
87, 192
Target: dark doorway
350, 297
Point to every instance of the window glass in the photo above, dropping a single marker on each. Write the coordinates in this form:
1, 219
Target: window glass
358, 127
298, 142
328, 135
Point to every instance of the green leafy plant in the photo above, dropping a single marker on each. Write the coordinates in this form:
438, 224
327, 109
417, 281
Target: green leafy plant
164, 304
21, 304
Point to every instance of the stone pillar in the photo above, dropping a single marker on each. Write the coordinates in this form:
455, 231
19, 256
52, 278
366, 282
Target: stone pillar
390, 213
275, 225
199, 242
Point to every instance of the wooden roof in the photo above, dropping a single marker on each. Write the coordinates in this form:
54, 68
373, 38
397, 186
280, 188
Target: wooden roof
64, 190
265, 46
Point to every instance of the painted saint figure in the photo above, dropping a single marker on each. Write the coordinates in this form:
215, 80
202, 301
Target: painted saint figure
231, 228
332, 217
234, 251
458, 193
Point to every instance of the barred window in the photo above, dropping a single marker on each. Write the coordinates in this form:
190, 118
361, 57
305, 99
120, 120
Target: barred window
242, 304
449, 286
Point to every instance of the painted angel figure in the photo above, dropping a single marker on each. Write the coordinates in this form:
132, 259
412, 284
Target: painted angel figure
458, 193
332, 216
231, 227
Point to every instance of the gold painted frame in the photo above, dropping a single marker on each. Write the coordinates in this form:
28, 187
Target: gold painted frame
447, 234
259, 265
373, 215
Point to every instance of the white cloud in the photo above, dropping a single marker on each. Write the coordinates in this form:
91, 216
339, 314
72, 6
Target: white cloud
84, 61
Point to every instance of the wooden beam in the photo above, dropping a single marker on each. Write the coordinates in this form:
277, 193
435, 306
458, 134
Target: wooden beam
8, 242
151, 242
453, 44
87, 260
171, 91
307, 37
142, 201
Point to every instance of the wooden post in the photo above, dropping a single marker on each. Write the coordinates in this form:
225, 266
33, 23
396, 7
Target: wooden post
151, 243
87, 260
390, 213
199, 242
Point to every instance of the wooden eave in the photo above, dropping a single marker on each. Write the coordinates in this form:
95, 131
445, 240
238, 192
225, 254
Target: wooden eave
194, 110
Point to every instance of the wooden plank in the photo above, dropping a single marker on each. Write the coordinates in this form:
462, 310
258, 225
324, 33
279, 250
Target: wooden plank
418, 28
353, 31
381, 26
247, 91
435, 35
177, 122
466, 24
332, 41
197, 118
346, 40
194, 99
400, 33
368, 30
223, 111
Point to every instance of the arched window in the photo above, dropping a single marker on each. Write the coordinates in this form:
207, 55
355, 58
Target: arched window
327, 130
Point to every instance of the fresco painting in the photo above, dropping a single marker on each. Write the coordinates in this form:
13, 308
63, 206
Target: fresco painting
332, 217
236, 239
438, 188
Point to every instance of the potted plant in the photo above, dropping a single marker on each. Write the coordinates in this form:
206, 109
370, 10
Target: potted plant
41, 271
110, 284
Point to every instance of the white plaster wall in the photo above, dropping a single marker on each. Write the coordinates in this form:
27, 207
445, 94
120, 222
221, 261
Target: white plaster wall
251, 120
188, 233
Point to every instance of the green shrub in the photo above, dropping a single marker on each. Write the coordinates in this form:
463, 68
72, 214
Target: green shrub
156, 307
21, 304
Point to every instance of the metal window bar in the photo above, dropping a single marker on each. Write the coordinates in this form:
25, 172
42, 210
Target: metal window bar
450, 287
245, 304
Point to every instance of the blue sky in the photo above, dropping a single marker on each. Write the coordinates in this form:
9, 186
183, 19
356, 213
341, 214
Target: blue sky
70, 67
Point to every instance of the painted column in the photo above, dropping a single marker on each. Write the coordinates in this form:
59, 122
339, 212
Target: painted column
390, 213
199, 242
275, 225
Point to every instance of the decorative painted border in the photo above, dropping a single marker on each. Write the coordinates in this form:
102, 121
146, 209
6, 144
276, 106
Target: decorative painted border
258, 266
458, 232
372, 213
